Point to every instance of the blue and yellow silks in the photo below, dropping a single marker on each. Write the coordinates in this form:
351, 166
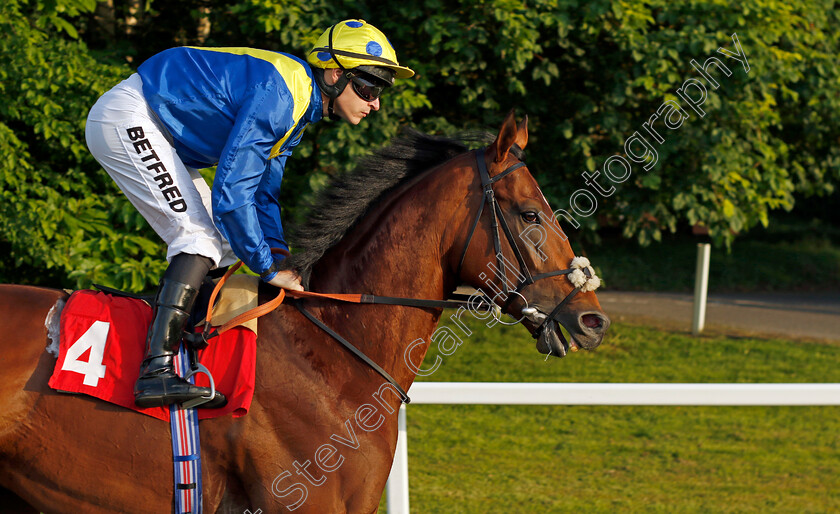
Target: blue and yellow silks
244, 109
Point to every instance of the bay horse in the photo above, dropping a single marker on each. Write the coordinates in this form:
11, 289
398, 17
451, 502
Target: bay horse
407, 223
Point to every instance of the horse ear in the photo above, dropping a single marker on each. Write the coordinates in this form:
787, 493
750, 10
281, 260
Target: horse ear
508, 135
522, 134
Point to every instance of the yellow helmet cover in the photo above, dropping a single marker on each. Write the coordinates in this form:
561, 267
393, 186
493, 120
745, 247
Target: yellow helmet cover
355, 43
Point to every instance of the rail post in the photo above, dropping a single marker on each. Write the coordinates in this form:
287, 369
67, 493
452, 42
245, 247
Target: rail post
701, 287
397, 487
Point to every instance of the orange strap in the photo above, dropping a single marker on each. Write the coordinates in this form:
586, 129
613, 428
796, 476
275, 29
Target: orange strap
267, 307
350, 297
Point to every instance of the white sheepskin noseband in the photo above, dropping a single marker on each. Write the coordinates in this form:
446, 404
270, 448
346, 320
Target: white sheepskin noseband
579, 279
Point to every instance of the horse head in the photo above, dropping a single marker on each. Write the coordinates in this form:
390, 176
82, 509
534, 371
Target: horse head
515, 251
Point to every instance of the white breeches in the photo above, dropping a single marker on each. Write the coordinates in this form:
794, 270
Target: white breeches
128, 140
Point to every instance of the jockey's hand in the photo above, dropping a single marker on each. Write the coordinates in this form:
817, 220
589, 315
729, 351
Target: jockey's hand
287, 279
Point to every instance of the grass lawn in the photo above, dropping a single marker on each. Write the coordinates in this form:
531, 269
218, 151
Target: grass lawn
631, 459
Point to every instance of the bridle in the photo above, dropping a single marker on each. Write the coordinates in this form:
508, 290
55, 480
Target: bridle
499, 219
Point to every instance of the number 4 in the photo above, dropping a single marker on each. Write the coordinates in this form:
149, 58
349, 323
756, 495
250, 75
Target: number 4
95, 339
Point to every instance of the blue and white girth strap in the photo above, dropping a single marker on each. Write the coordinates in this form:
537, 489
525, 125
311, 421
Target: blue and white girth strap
186, 450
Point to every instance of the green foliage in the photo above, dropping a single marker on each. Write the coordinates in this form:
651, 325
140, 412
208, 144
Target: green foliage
60, 214
588, 74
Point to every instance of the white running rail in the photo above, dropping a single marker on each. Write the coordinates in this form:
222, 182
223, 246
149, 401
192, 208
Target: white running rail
509, 393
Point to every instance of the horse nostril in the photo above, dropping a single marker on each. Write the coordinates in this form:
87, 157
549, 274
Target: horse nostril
592, 320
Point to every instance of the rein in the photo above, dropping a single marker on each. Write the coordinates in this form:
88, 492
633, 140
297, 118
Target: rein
200, 340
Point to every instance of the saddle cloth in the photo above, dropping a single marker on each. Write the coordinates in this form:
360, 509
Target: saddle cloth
102, 345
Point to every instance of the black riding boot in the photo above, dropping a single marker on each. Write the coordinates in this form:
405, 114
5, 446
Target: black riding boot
158, 384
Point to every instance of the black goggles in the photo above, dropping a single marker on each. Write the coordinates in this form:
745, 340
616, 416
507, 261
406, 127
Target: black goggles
367, 90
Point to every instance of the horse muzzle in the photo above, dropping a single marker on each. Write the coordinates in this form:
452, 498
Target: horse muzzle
586, 329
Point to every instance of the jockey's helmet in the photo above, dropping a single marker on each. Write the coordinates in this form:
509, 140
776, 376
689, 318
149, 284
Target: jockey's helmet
363, 52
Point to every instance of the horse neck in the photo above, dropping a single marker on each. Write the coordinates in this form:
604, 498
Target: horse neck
398, 249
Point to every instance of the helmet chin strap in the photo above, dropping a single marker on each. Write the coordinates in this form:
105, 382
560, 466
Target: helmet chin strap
333, 115
331, 90
337, 89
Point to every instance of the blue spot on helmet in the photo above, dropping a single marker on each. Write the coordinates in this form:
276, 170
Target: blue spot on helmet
354, 24
324, 56
373, 48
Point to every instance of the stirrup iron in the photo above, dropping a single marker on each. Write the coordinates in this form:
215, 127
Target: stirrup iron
201, 400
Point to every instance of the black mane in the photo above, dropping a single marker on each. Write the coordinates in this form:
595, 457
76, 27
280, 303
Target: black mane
349, 196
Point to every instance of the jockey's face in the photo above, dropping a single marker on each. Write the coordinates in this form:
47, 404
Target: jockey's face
349, 105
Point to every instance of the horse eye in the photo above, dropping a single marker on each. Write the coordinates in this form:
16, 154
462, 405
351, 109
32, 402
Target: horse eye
530, 217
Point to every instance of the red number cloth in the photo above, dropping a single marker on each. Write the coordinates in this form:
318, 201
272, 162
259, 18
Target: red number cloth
231, 357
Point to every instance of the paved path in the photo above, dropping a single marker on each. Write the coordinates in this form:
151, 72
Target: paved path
799, 315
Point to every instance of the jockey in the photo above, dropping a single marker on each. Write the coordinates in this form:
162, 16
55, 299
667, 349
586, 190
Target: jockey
241, 109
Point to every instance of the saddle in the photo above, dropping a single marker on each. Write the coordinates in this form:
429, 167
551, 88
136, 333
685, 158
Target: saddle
102, 343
